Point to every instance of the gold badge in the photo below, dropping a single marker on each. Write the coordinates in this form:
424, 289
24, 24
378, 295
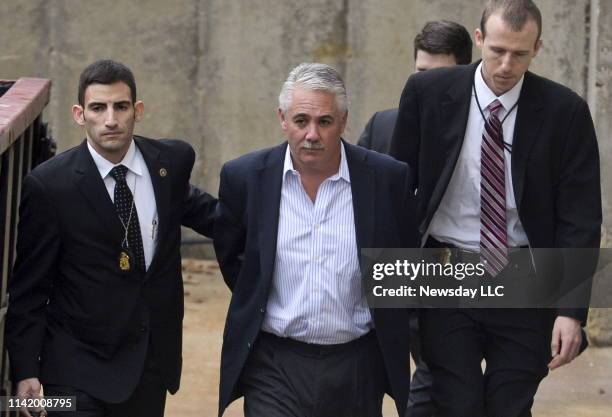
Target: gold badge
124, 261
163, 172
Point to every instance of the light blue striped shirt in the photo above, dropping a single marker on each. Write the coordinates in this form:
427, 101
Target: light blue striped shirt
316, 294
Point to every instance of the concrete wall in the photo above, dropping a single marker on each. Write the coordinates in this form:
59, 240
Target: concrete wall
600, 99
209, 71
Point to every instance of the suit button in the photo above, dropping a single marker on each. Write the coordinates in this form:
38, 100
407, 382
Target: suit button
249, 345
261, 310
143, 328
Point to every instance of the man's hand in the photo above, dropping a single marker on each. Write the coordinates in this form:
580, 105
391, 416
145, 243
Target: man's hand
566, 340
28, 388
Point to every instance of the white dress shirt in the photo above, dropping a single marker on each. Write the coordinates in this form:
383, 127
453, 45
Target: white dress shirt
316, 294
139, 182
457, 220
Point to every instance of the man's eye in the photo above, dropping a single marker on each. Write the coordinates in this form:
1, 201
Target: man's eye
97, 109
300, 122
325, 122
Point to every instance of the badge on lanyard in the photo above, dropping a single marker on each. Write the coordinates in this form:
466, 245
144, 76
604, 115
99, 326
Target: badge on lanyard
124, 261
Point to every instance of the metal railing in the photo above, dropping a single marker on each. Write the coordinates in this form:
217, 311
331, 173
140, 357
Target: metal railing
24, 143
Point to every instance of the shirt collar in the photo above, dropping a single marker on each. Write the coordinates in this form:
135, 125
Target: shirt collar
343, 171
486, 96
129, 160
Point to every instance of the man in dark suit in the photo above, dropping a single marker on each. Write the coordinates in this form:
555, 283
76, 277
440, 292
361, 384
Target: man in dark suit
440, 43
504, 159
299, 338
96, 297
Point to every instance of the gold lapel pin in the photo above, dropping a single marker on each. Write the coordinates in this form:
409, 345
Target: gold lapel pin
163, 172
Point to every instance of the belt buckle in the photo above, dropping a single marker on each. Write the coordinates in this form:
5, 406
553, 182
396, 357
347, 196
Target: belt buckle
444, 256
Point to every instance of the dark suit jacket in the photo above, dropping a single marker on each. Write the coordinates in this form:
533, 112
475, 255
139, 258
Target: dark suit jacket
555, 160
74, 317
246, 231
379, 130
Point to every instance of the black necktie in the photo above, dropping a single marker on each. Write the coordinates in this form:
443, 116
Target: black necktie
126, 210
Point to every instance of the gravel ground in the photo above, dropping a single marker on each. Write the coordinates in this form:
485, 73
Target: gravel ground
581, 389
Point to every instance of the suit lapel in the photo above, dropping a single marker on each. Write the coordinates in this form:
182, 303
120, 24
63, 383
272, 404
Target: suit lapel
91, 185
161, 179
268, 195
529, 120
363, 192
454, 111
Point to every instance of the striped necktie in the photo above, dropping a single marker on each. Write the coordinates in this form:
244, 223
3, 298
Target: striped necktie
493, 234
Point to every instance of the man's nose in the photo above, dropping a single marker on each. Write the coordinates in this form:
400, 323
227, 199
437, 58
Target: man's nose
312, 132
110, 120
507, 62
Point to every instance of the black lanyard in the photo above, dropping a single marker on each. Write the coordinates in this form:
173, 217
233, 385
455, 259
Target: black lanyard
507, 146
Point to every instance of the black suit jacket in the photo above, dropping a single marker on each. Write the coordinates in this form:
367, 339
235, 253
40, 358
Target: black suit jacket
379, 130
74, 317
246, 232
555, 160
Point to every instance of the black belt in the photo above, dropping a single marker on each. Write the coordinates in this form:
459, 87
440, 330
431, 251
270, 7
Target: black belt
518, 258
313, 349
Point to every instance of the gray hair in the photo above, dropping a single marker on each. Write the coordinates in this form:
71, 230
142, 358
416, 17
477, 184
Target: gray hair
313, 77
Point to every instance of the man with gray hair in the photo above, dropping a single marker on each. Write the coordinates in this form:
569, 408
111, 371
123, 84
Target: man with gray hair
300, 339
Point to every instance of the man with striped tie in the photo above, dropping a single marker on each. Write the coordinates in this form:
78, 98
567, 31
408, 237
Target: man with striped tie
299, 338
503, 159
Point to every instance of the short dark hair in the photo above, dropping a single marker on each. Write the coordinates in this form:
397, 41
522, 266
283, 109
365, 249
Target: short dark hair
106, 71
445, 37
514, 12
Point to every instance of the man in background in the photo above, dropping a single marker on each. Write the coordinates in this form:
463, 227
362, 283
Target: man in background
440, 43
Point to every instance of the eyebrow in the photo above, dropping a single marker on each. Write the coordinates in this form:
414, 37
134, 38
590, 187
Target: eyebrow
514, 51
314, 117
102, 103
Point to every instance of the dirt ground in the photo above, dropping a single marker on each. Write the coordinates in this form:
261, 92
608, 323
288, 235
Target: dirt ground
581, 389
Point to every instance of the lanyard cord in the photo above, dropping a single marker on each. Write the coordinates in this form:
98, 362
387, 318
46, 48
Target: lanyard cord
126, 227
507, 146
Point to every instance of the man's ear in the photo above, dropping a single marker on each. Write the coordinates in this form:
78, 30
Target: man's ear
138, 110
78, 114
537, 47
344, 120
281, 119
479, 38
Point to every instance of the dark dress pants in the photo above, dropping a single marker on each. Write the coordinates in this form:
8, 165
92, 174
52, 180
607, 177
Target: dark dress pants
420, 403
515, 343
286, 378
148, 399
